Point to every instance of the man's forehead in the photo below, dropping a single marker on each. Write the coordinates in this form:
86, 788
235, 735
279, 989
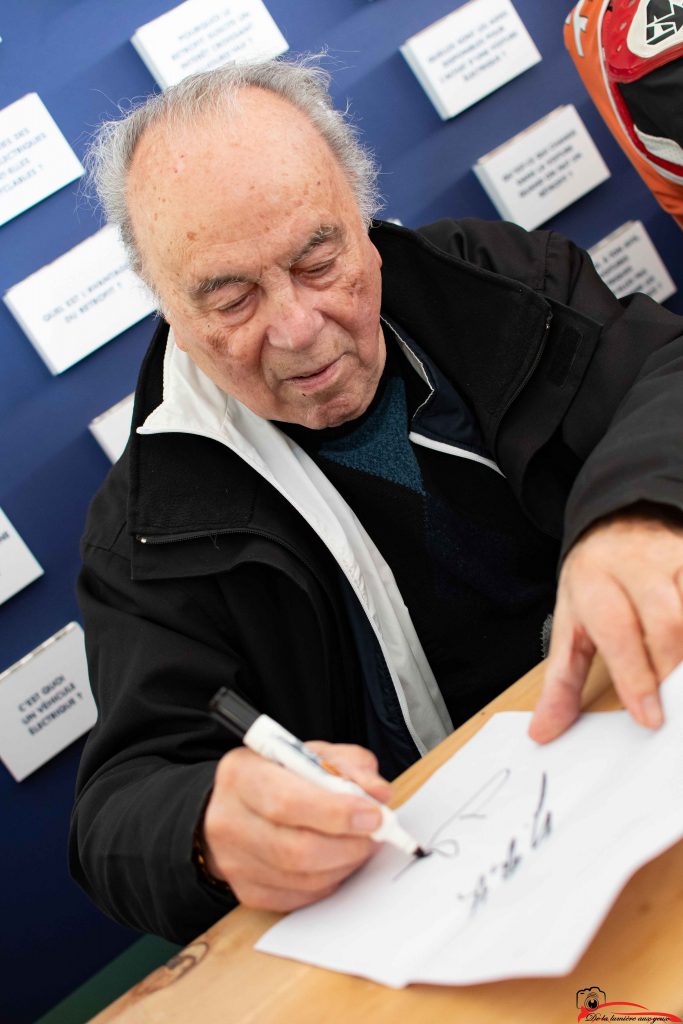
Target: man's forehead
258, 122
194, 194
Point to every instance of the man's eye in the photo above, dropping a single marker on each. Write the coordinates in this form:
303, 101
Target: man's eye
318, 270
236, 304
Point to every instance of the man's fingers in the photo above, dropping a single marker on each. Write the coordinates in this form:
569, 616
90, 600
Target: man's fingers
570, 657
620, 592
254, 849
346, 756
274, 793
619, 634
280, 841
355, 763
294, 850
660, 609
601, 616
271, 792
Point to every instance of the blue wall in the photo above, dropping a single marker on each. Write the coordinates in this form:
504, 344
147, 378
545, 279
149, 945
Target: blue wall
76, 55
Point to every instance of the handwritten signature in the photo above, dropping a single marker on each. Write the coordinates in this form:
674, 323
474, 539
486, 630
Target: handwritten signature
516, 849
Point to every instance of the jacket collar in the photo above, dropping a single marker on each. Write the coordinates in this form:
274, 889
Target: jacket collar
479, 324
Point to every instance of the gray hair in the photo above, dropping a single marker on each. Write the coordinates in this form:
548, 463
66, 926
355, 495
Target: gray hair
301, 81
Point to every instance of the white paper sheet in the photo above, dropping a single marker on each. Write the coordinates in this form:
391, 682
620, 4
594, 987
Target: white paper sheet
532, 846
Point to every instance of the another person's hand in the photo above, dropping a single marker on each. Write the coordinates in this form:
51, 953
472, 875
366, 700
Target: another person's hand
620, 593
280, 841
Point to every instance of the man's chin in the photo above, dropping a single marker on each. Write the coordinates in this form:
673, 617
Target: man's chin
331, 414
318, 420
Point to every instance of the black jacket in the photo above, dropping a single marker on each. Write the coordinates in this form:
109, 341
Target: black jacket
576, 394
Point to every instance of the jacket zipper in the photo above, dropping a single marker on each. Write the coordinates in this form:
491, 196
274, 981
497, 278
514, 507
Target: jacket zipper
174, 538
532, 369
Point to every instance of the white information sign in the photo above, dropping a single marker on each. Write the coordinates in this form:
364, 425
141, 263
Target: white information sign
18, 567
45, 702
543, 169
202, 34
112, 427
628, 262
83, 299
468, 54
35, 158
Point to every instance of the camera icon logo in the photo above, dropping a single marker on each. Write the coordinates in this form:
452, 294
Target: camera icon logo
590, 998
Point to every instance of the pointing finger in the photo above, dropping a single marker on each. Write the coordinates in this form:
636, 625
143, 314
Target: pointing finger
571, 653
619, 636
660, 609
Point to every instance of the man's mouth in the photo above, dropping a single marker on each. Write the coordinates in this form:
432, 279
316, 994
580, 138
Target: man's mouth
313, 379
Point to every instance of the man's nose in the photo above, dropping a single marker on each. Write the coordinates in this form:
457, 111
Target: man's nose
294, 322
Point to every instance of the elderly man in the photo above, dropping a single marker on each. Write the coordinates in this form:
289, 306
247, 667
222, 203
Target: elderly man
354, 452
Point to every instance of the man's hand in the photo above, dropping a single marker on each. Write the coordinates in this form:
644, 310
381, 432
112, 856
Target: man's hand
620, 593
280, 841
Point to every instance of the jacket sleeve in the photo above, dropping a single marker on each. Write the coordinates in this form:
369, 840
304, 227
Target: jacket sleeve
620, 438
156, 655
235, 611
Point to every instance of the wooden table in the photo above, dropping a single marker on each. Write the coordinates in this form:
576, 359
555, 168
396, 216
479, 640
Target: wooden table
637, 955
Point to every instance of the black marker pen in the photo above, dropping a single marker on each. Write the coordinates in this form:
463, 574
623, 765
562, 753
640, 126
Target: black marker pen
263, 735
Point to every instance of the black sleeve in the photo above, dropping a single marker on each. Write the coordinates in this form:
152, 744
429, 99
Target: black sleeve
236, 611
624, 427
155, 657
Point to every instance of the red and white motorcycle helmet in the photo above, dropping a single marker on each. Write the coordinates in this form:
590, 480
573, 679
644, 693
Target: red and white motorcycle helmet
642, 53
